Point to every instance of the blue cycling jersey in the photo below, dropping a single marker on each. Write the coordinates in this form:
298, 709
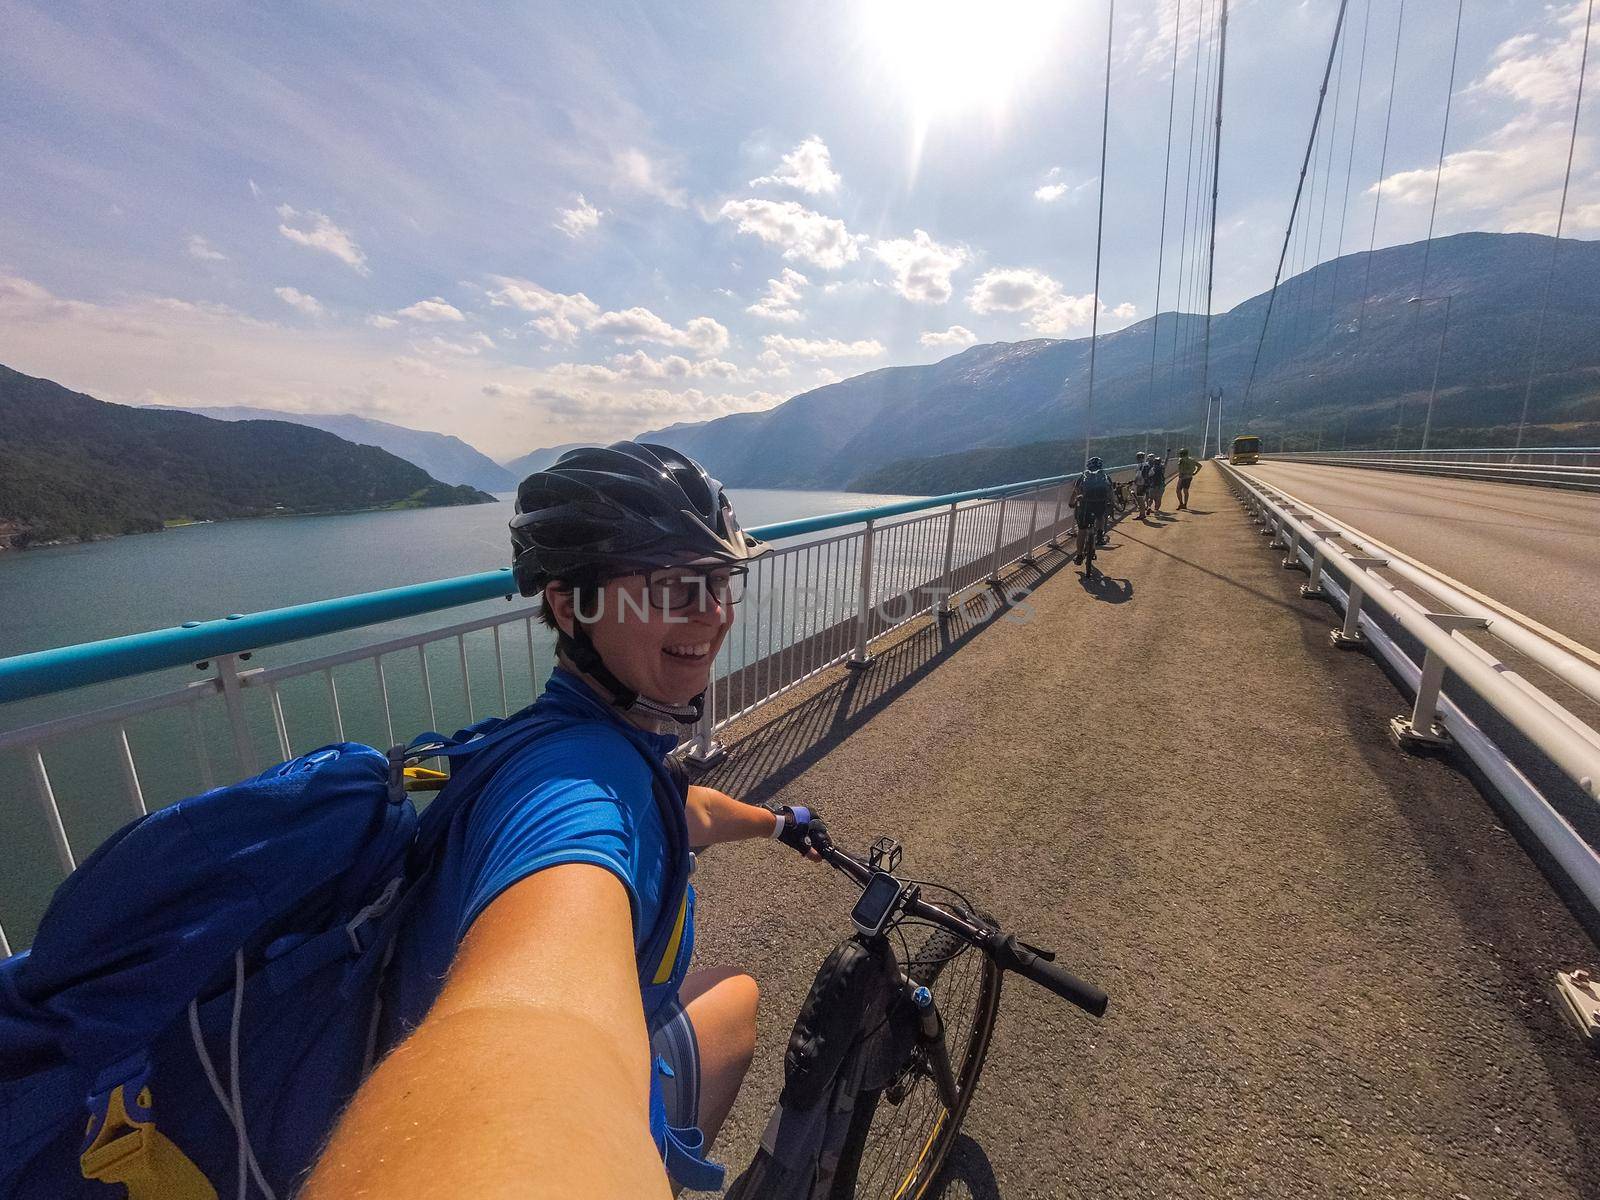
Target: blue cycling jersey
583, 796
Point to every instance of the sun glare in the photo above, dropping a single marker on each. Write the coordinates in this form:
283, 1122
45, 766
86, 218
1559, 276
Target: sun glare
950, 56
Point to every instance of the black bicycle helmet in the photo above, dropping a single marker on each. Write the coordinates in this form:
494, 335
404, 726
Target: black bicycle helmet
1096, 463
602, 510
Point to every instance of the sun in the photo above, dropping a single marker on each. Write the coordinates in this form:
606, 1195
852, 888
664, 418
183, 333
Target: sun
947, 57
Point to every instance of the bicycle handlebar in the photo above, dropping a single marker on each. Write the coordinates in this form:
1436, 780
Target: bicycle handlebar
1012, 955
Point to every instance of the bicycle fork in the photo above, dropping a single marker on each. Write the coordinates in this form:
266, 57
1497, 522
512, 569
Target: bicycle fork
930, 1036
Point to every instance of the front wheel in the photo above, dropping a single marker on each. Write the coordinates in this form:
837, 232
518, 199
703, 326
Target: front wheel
900, 1135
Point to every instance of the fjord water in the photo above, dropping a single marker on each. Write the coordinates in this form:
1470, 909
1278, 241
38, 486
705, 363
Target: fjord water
68, 594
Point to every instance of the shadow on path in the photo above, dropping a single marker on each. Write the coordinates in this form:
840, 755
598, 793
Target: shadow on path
1104, 587
967, 1174
769, 758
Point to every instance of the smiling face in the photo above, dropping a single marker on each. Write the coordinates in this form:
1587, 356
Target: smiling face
660, 653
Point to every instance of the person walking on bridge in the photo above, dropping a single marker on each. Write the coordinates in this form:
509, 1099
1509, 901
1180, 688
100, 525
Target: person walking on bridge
1188, 468
1155, 480
1091, 503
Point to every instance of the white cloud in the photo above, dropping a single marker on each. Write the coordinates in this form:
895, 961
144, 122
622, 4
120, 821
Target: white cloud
254, 190
825, 376
435, 308
783, 293
562, 317
580, 219
702, 335
471, 345
1023, 289
419, 367
803, 235
316, 231
1050, 192
295, 298
921, 266
633, 170
826, 348
197, 247
1541, 71
955, 336
379, 321
772, 363
600, 414
808, 167
640, 366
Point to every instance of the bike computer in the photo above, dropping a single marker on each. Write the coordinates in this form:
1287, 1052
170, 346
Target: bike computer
877, 902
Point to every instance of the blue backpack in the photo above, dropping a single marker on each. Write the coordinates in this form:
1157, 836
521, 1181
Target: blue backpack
203, 995
1095, 487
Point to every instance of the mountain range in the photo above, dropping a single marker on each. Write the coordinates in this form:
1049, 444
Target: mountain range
447, 458
1344, 343
73, 468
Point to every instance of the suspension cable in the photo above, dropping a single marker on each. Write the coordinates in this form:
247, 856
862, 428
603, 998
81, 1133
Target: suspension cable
1188, 173
1383, 161
1349, 166
1216, 171
1161, 249
1561, 216
1099, 231
1316, 120
1444, 135
1196, 254
1433, 212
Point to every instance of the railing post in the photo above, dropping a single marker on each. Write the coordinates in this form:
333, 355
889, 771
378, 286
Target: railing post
704, 750
859, 657
1033, 527
999, 540
1312, 588
233, 700
1055, 525
1349, 636
946, 578
1421, 730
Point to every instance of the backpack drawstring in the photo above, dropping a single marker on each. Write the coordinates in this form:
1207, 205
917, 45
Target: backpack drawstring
233, 1109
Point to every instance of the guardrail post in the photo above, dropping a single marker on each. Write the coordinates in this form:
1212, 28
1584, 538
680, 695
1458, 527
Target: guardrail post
1312, 589
1055, 525
244, 749
704, 750
1349, 636
1421, 730
946, 578
1033, 525
999, 540
859, 657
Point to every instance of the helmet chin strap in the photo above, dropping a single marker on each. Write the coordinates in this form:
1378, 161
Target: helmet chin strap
580, 650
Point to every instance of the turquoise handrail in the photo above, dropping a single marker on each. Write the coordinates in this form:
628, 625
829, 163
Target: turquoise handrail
43, 672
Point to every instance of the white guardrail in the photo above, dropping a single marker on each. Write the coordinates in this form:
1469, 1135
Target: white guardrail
1343, 566
1575, 467
808, 606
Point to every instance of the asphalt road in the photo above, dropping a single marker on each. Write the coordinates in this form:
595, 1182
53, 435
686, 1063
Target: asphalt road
1326, 959
1532, 548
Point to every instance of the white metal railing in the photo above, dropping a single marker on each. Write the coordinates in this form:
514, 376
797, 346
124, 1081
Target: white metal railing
808, 606
1344, 566
1569, 467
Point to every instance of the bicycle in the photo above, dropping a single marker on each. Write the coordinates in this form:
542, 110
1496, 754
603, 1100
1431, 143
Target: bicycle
873, 1098
1089, 535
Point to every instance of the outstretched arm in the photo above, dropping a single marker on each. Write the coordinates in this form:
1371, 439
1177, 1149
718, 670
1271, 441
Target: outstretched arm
529, 1077
717, 817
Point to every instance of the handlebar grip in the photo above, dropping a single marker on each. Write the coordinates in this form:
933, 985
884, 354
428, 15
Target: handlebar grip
1028, 962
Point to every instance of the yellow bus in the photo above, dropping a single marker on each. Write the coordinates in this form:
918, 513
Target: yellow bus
1246, 450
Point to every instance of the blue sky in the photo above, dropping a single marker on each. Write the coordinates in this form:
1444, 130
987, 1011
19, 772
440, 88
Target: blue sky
535, 223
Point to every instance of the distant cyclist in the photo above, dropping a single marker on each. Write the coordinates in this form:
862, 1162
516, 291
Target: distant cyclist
1188, 468
1091, 503
1155, 480
1140, 496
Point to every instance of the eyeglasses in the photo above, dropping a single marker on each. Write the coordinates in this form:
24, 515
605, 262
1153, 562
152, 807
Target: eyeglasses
682, 589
